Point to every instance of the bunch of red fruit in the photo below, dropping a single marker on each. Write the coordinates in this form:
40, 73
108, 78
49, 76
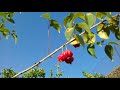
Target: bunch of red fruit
66, 56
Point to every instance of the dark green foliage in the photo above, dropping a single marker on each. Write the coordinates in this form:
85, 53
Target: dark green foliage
7, 73
96, 75
109, 51
91, 50
35, 73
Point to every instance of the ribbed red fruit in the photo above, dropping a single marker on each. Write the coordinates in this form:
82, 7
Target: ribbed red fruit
67, 53
69, 60
66, 56
61, 58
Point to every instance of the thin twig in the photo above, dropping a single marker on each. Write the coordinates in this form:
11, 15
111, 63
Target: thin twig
36, 64
48, 40
117, 51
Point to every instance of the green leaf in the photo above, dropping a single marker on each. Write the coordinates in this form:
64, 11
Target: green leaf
79, 15
85, 27
65, 21
111, 28
108, 15
109, 51
11, 20
4, 19
1, 24
51, 73
5, 32
99, 15
79, 29
88, 75
114, 23
68, 33
11, 14
4, 14
14, 36
117, 34
46, 15
80, 39
90, 18
68, 20
91, 50
89, 38
100, 43
100, 26
103, 31
117, 43
55, 24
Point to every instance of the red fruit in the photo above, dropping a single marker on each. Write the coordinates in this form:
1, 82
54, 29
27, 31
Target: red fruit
69, 60
67, 53
61, 58
76, 45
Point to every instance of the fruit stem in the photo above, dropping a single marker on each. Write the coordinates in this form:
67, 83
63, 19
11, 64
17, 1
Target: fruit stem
66, 47
48, 40
62, 50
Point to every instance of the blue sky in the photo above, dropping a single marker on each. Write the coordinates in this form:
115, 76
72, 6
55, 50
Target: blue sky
32, 46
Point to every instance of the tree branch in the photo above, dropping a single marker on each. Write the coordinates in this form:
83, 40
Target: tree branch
39, 62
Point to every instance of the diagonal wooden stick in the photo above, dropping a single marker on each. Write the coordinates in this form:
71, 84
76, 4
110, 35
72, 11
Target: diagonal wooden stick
39, 62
